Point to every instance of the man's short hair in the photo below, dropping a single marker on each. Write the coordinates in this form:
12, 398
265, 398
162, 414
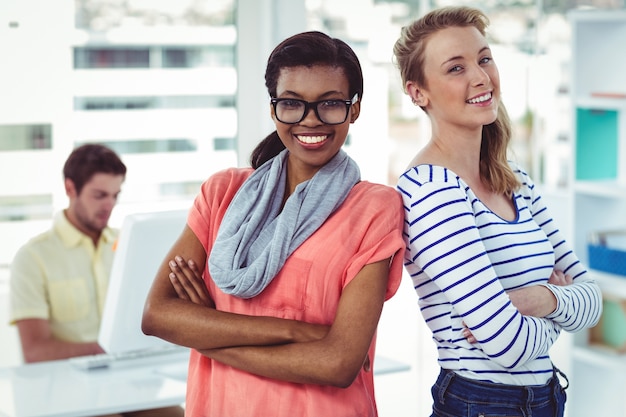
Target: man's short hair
87, 160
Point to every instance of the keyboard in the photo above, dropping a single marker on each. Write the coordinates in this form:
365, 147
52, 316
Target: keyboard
105, 360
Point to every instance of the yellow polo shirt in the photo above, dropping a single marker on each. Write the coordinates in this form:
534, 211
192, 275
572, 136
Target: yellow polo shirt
60, 276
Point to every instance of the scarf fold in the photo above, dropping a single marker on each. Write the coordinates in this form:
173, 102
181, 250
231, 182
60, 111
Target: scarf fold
255, 237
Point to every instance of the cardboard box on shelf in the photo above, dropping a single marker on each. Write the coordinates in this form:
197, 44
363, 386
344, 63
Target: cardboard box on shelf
611, 329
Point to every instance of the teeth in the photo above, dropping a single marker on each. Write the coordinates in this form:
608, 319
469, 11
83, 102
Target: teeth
312, 139
480, 99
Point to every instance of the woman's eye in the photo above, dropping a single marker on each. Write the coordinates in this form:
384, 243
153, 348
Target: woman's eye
290, 103
485, 60
329, 104
455, 68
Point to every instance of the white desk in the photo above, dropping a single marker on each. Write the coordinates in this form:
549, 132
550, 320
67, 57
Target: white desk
57, 389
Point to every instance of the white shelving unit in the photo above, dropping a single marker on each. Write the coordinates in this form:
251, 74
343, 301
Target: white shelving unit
598, 186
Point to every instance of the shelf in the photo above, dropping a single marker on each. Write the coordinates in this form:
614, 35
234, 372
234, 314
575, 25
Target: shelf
601, 357
610, 284
598, 197
601, 188
600, 103
597, 16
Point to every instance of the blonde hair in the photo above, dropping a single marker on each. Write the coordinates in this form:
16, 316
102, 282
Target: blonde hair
409, 58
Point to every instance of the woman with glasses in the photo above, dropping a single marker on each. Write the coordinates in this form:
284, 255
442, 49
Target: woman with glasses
278, 280
496, 280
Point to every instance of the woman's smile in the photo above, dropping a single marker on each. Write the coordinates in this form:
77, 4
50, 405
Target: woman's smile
312, 139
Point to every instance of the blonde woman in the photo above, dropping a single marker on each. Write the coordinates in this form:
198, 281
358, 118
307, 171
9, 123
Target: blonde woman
496, 280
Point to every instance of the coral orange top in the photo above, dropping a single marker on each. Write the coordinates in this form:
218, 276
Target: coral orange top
365, 229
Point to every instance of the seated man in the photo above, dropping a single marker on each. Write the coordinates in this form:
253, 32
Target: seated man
59, 279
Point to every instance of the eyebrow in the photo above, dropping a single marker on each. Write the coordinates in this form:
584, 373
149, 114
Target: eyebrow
454, 58
322, 96
100, 191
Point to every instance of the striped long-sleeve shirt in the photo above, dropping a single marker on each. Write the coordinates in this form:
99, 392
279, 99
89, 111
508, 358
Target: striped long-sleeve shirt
463, 258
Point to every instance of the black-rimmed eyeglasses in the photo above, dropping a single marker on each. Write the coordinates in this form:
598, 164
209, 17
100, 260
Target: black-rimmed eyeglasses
330, 112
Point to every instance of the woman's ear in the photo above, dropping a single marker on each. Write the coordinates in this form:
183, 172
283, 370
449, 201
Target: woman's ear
416, 93
355, 111
272, 114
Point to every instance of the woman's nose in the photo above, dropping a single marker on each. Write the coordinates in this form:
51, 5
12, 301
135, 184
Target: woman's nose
479, 76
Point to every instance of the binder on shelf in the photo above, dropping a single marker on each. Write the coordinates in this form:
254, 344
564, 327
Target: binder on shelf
607, 251
597, 150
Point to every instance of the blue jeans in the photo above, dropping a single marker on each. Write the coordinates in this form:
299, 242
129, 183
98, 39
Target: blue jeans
455, 396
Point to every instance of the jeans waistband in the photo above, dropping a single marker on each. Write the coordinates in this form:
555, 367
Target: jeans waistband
512, 392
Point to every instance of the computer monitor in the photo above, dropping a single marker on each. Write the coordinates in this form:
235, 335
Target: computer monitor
144, 240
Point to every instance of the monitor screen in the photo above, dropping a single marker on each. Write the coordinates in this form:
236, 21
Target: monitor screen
144, 240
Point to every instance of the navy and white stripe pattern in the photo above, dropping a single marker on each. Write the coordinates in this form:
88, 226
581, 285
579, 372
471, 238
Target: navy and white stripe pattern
463, 258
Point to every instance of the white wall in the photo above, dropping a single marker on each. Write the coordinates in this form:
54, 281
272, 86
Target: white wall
403, 336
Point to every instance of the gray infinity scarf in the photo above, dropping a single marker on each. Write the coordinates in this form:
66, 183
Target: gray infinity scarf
255, 237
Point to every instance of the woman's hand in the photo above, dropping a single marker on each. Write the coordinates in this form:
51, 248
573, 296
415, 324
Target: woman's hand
560, 278
332, 355
538, 300
533, 301
188, 283
179, 308
467, 334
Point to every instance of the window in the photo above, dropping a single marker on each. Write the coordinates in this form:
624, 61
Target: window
191, 57
224, 144
123, 147
144, 57
24, 137
25, 207
85, 58
154, 102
